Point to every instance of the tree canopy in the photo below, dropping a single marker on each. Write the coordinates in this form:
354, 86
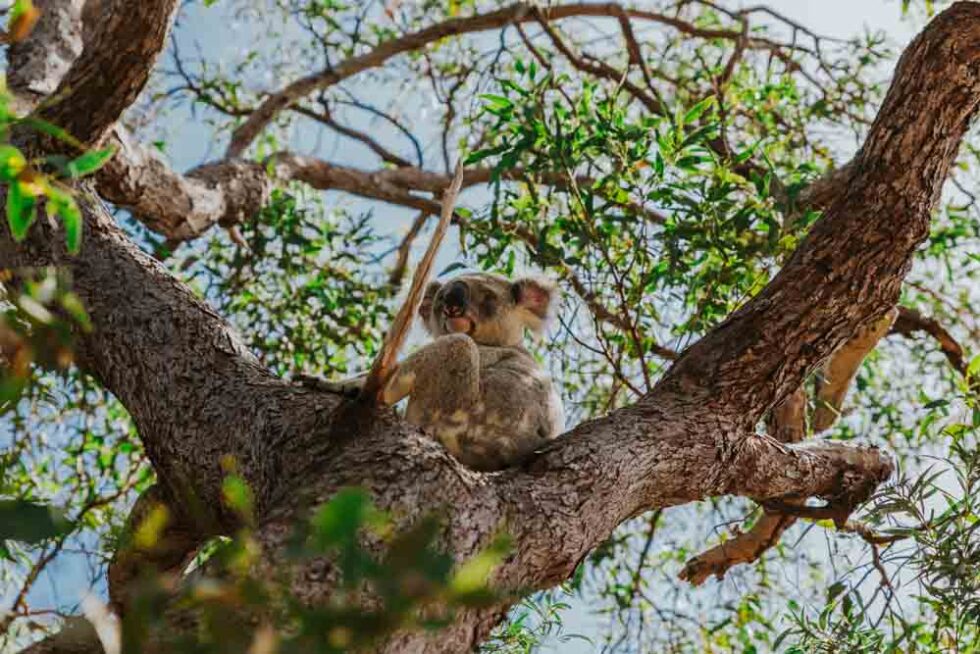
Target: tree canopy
766, 239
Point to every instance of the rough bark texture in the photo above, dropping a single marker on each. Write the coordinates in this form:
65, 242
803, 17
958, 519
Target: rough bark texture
197, 395
853, 261
180, 207
228, 192
112, 69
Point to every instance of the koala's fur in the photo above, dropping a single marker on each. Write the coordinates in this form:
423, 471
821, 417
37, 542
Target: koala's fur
474, 387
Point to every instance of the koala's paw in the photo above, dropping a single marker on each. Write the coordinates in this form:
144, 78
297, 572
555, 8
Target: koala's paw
347, 387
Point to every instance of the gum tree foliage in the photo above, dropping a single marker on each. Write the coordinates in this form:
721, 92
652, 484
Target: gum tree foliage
663, 164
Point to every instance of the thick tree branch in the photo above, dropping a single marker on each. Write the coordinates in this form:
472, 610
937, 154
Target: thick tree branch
787, 420
787, 424
637, 459
180, 207
881, 167
113, 68
173, 362
849, 269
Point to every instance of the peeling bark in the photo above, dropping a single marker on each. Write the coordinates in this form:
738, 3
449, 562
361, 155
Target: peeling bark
37, 64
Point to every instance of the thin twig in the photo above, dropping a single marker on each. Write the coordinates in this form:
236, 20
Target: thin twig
385, 362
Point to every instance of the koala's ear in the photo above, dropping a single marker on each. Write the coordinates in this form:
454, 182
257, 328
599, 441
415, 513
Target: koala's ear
425, 309
536, 297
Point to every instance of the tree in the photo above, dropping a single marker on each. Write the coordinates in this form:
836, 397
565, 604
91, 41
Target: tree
680, 163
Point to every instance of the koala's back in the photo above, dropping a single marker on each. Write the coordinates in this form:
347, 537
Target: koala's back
515, 410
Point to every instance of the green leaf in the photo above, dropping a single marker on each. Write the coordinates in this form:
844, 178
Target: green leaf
237, 495
36, 310
974, 367
473, 576
21, 210
12, 161
480, 155
497, 101
338, 521
834, 590
74, 307
20, 8
90, 162
697, 110
28, 522
451, 267
72, 218
23, 17
64, 205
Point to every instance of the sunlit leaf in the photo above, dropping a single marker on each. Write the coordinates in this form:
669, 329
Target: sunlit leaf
21, 210
90, 162
12, 162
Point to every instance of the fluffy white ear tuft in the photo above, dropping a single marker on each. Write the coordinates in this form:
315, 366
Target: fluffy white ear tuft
536, 297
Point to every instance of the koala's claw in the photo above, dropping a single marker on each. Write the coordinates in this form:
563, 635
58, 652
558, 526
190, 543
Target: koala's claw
350, 388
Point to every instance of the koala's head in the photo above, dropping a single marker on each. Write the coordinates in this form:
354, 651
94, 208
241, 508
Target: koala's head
491, 309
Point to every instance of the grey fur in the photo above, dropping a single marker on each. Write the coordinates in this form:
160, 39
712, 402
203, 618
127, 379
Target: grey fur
475, 388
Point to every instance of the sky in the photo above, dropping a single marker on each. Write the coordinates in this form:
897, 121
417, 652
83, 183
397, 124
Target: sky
844, 18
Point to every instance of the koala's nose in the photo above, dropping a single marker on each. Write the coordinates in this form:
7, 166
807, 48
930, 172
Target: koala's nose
457, 295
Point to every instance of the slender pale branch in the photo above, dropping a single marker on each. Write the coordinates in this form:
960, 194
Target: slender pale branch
384, 363
910, 322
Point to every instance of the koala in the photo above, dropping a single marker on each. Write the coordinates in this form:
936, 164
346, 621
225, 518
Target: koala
475, 388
